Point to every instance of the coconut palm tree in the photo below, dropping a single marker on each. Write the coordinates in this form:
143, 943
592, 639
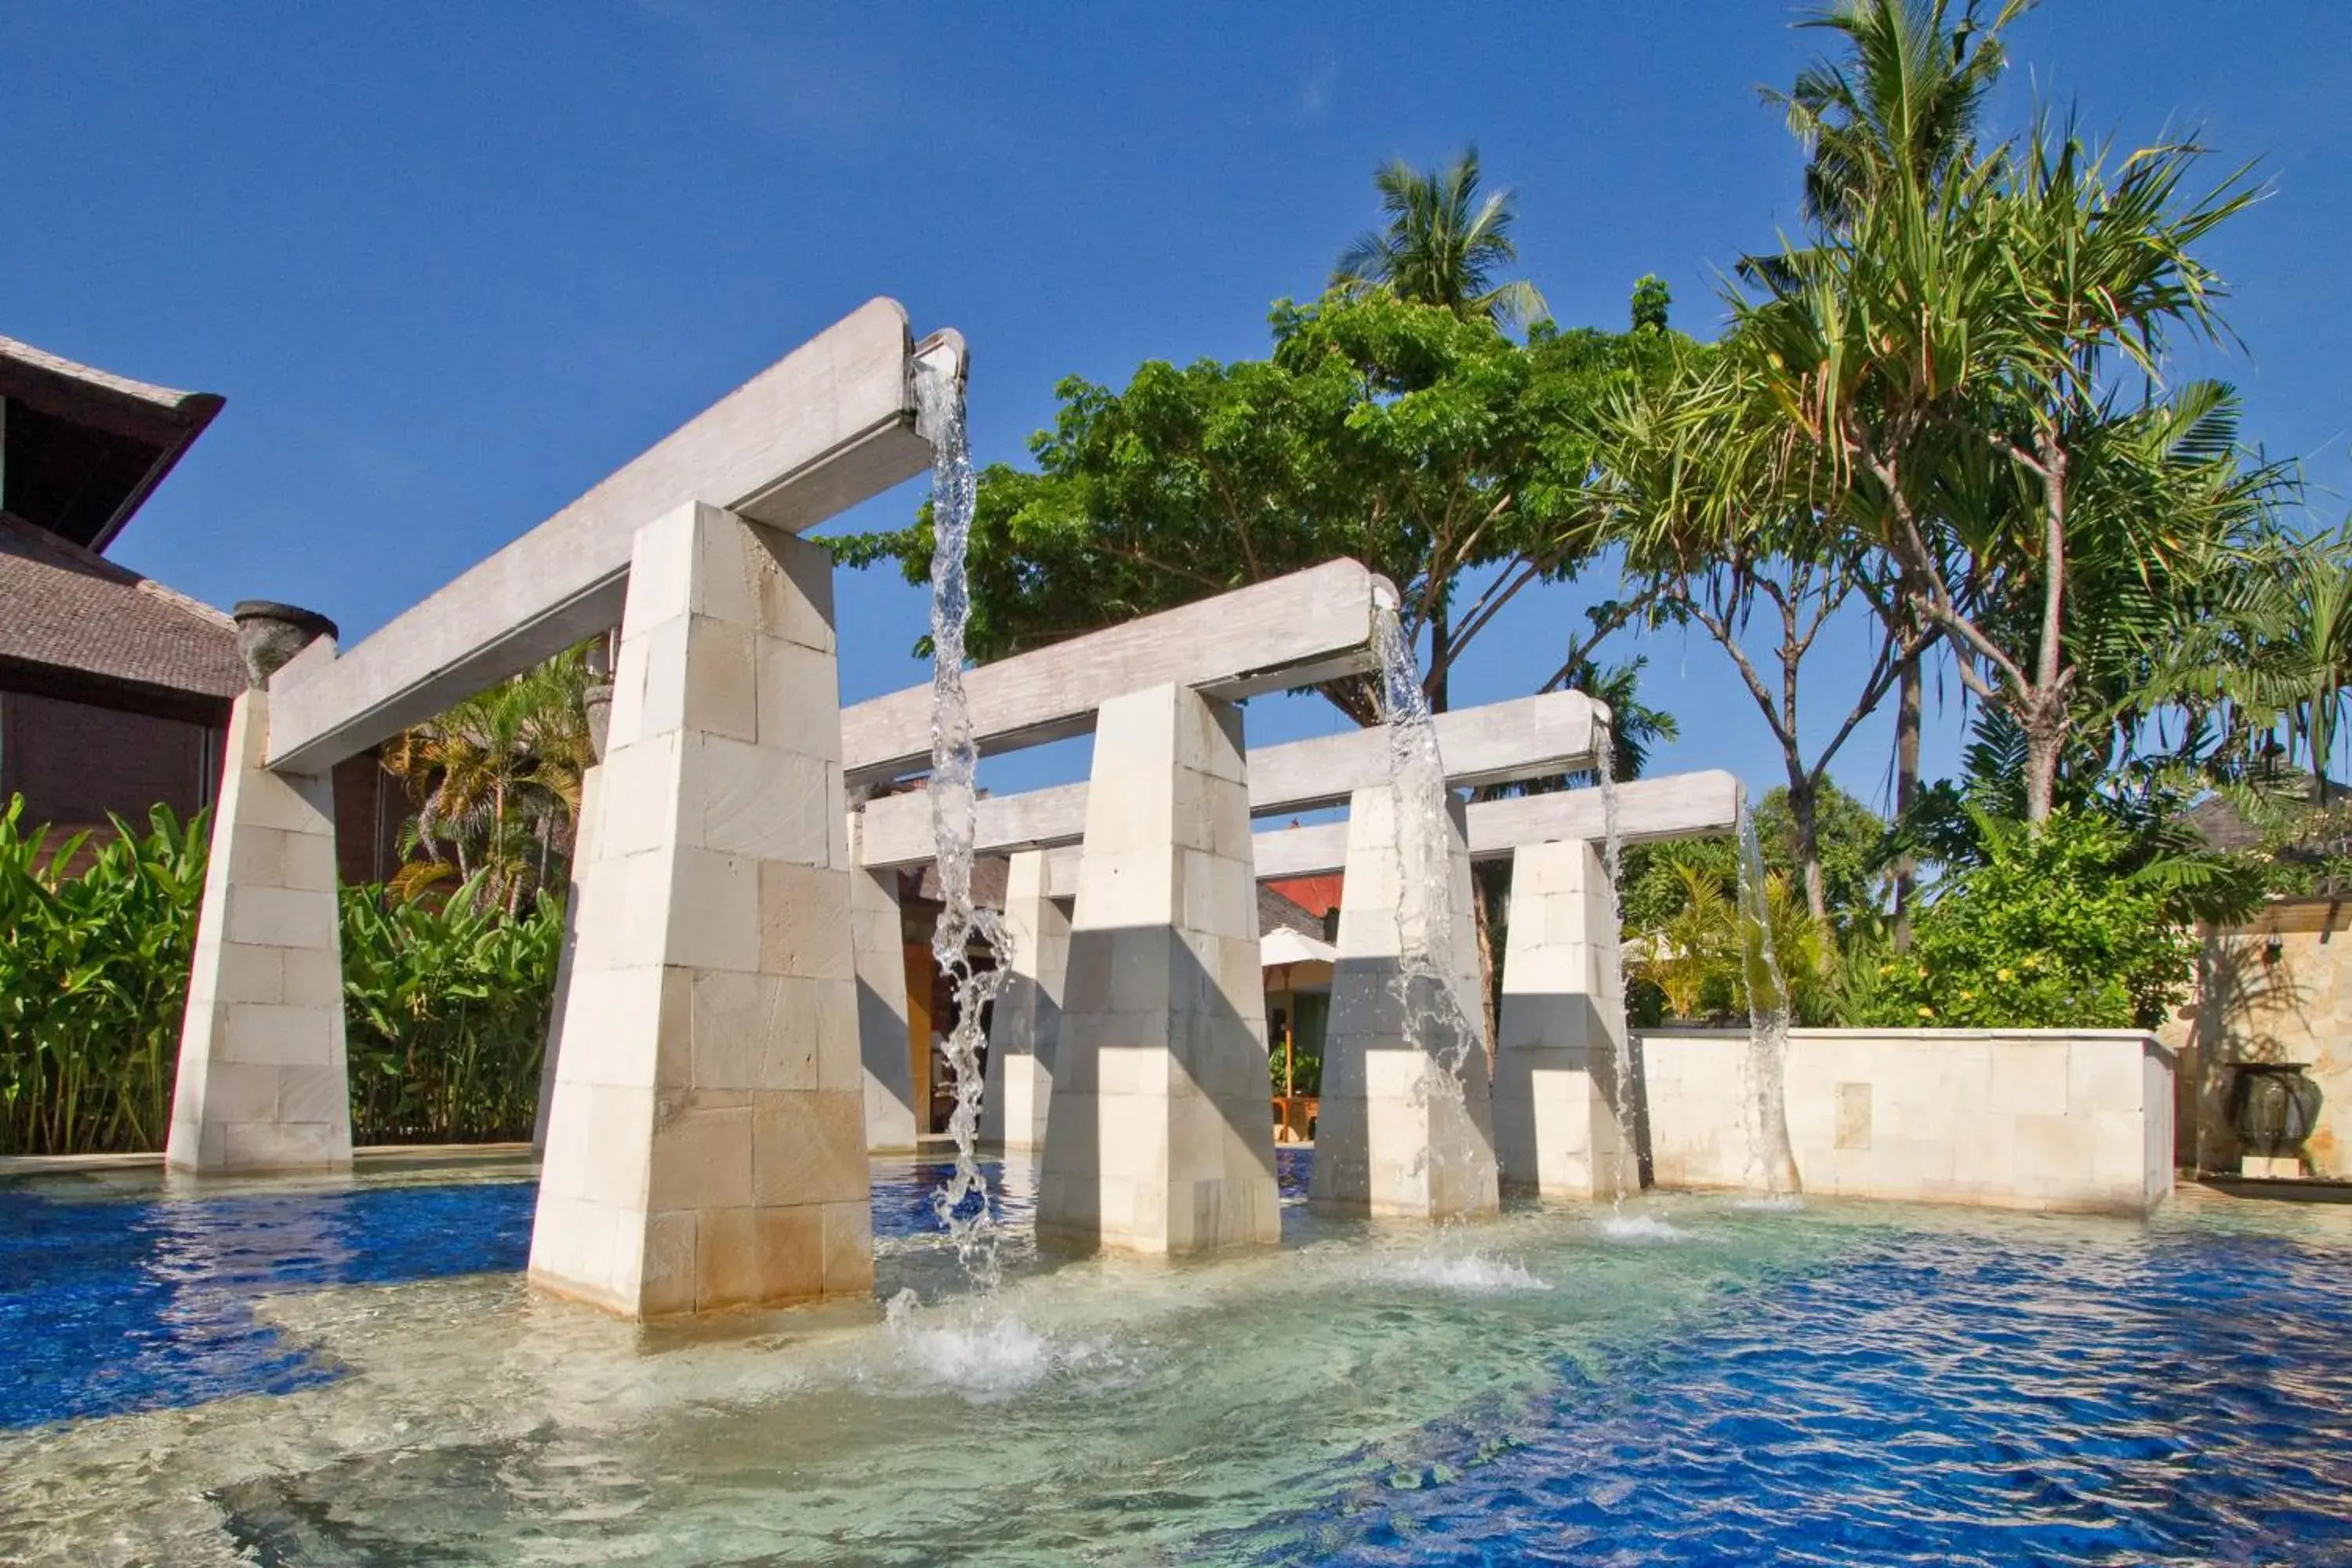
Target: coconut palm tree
497, 782
1442, 246
1905, 104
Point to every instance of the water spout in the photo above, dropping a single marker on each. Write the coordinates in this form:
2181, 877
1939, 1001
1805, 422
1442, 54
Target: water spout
1768, 1021
939, 395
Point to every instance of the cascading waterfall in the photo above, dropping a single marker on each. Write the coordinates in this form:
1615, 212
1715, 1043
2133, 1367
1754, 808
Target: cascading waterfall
1437, 1018
1768, 1021
1613, 861
970, 1225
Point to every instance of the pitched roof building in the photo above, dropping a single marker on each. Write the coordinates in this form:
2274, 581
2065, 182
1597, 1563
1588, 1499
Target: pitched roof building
115, 689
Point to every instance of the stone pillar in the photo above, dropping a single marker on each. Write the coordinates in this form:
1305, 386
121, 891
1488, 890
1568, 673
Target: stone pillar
1027, 1018
583, 848
877, 936
263, 1084
1162, 1136
1563, 1018
706, 1147
1393, 1139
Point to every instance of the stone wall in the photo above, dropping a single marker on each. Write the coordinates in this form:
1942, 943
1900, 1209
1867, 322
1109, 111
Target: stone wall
2035, 1119
2251, 1006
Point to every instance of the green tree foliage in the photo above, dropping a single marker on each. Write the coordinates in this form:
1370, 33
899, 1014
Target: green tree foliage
1441, 246
2051, 929
496, 781
445, 1002
1431, 448
1652, 301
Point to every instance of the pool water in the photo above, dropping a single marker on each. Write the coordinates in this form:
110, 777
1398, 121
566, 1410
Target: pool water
356, 1374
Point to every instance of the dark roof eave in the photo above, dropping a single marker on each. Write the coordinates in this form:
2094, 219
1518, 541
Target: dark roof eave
67, 684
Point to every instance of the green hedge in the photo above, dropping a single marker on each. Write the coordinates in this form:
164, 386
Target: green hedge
445, 1006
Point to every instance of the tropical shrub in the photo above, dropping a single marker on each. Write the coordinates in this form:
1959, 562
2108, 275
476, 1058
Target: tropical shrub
445, 1002
2050, 929
445, 1009
93, 981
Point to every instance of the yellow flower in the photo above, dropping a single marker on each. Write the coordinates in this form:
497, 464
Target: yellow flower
1927, 1011
2002, 975
1968, 995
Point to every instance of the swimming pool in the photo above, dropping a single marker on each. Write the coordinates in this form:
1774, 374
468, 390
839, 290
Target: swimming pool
357, 1375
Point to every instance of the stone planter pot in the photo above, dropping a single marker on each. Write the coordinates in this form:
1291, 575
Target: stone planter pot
2274, 1107
268, 634
597, 702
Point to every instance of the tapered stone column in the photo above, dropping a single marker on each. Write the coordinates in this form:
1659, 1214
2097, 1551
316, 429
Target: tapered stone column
1026, 1020
1394, 1138
1161, 1137
1563, 1018
877, 936
263, 1084
706, 1147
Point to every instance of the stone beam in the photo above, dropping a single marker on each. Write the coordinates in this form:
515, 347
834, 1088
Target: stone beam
1502, 743
1675, 805
1312, 625
825, 427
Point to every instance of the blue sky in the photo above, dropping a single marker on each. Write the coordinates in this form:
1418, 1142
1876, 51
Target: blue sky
451, 265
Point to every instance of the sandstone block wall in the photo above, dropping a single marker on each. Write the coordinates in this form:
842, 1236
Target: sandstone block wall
2035, 1119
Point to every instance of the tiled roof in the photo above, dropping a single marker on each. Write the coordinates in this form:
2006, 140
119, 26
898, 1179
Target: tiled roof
66, 608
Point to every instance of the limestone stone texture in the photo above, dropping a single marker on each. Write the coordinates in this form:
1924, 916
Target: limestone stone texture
2251, 1004
583, 850
1026, 1020
879, 955
706, 1145
1395, 1138
1560, 1025
263, 1084
2030, 1119
1161, 1138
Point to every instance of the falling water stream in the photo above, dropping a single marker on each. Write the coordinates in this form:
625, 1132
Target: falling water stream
963, 1204
1613, 861
1438, 1021
1768, 1021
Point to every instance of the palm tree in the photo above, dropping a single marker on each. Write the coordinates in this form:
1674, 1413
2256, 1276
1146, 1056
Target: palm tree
2302, 662
1443, 246
497, 782
1904, 106
1895, 120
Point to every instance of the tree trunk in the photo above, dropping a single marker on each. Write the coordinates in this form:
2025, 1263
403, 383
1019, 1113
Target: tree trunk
1805, 804
1440, 629
2045, 738
1908, 683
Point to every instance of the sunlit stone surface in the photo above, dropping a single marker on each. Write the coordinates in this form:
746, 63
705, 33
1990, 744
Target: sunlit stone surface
706, 1146
1027, 1018
1394, 1139
262, 1080
1563, 1014
1160, 1139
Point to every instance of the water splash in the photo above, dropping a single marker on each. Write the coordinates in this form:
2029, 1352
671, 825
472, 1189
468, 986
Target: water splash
1768, 1022
955, 755
1437, 1019
1613, 861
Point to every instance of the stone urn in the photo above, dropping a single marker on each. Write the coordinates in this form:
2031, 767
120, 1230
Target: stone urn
2274, 1107
268, 634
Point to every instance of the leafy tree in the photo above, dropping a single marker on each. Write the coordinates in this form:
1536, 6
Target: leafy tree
1430, 447
1903, 109
1441, 246
1652, 301
2052, 928
496, 783
1716, 531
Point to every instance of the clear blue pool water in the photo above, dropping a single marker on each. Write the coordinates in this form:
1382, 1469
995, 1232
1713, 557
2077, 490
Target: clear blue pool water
1696, 1382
